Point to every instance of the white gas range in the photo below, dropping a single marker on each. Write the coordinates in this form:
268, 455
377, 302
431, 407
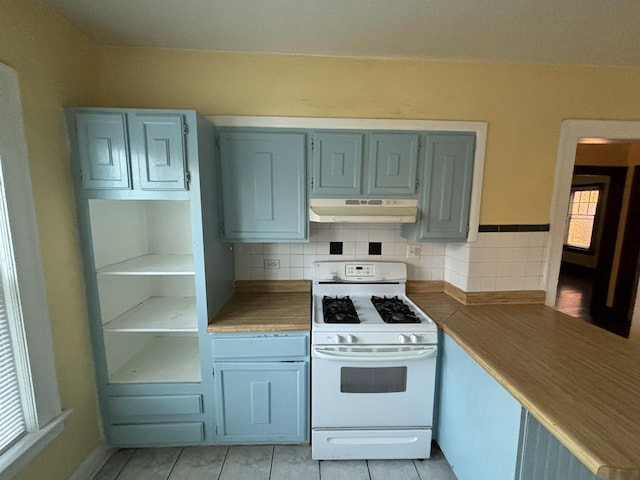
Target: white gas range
373, 364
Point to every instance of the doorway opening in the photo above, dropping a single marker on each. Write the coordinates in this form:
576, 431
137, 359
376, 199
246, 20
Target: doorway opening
592, 271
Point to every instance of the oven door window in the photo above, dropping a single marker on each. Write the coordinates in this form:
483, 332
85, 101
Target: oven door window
373, 380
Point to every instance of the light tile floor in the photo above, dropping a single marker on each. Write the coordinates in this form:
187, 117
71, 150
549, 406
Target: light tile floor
262, 462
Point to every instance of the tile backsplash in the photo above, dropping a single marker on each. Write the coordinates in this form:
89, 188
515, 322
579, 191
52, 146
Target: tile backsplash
498, 261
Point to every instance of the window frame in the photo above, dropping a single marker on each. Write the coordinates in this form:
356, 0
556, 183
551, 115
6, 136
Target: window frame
601, 187
43, 411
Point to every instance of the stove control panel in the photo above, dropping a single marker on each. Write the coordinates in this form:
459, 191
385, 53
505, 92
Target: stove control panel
359, 270
413, 338
348, 339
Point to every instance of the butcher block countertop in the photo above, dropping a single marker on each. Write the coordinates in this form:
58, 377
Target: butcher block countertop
579, 381
256, 306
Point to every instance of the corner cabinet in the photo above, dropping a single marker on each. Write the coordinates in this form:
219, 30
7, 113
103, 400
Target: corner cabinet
445, 196
262, 387
146, 190
263, 192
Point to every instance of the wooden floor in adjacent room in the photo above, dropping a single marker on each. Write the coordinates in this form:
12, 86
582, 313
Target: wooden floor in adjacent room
573, 296
262, 462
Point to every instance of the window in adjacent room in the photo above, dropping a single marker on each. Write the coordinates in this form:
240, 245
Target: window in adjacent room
583, 206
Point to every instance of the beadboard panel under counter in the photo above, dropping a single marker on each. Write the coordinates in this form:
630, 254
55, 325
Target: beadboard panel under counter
265, 306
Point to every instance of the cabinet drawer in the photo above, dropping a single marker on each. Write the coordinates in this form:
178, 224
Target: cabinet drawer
260, 347
155, 405
157, 433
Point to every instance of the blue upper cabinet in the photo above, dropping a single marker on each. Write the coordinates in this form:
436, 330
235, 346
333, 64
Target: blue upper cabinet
337, 164
103, 150
357, 164
446, 188
127, 153
393, 163
158, 143
263, 189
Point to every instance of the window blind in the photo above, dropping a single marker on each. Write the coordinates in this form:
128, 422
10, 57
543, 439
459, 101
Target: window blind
12, 424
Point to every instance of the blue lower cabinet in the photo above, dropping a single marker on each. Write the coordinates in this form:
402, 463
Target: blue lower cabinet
143, 405
262, 402
154, 434
148, 415
261, 387
478, 420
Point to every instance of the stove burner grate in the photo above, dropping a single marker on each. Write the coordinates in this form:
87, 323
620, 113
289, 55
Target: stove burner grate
394, 310
339, 310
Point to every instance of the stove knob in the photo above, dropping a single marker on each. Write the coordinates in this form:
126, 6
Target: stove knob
337, 339
402, 339
414, 338
351, 339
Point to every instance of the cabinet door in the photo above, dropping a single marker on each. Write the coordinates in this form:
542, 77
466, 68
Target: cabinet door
478, 420
263, 186
262, 402
393, 163
447, 190
157, 141
103, 150
337, 164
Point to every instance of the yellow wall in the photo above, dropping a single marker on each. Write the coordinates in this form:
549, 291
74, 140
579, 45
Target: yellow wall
56, 66
524, 104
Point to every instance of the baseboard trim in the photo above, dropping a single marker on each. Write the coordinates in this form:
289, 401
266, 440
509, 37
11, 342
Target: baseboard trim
90, 466
495, 298
272, 286
423, 286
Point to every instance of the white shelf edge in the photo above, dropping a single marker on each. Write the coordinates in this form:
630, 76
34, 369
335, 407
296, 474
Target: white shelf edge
158, 314
152, 264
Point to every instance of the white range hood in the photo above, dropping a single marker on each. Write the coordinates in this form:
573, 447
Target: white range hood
353, 210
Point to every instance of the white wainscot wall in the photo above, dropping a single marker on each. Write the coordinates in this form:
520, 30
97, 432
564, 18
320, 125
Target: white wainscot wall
496, 262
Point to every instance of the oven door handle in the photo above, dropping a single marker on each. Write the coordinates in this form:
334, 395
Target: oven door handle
371, 355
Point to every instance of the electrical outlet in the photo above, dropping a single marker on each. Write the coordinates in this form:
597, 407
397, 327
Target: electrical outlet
271, 264
413, 250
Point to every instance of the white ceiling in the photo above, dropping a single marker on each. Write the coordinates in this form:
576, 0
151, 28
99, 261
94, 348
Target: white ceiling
598, 32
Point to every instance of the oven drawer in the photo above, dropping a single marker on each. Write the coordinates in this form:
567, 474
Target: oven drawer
231, 346
370, 444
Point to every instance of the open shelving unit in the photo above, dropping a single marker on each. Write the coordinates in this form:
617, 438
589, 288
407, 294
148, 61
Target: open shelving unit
146, 287
164, 359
